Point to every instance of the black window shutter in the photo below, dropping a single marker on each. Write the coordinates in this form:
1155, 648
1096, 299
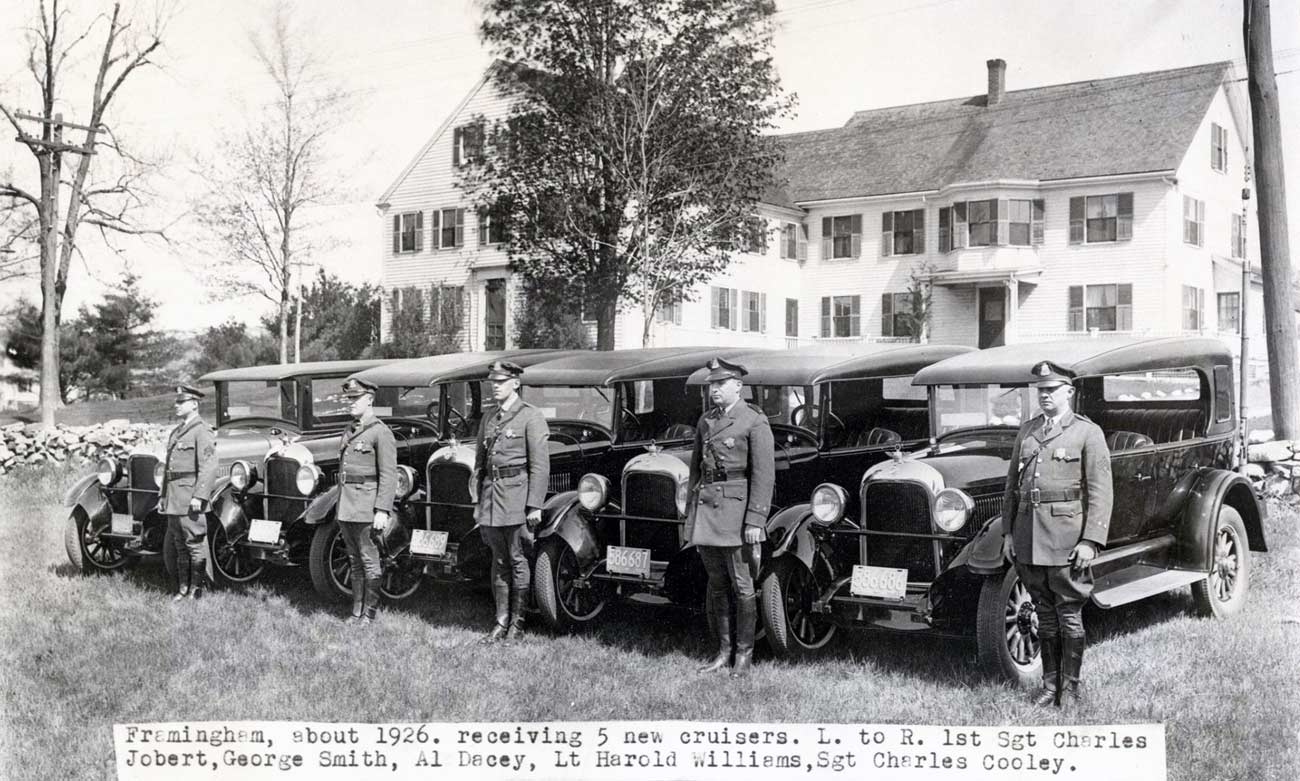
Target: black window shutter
1124, 224
887, 314
918, 231
1076, 220
886, 234
1037, 211
397, 233
419, 231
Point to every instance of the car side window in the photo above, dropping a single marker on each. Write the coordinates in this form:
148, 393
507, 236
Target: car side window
1170, 405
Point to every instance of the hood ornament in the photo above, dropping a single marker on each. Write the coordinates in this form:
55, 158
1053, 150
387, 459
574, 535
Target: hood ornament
652, 447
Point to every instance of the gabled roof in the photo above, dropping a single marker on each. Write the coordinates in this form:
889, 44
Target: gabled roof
607, 367
810, 366
451, 367
1130, 124
285, 371
1010, 364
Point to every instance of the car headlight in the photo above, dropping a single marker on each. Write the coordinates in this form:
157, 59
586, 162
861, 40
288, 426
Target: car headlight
593, 490
828, 502
159, 471
405, 481
107, 471
683, 493
952, 508
241, 475
307, 478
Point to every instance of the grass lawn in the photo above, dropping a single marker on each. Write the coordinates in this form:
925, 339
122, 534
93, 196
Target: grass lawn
80, 653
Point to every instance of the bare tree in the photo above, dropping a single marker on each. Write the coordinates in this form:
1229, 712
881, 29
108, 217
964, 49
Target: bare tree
267, 173
97, 190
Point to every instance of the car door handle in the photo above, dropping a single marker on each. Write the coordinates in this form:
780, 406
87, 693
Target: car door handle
1141, 478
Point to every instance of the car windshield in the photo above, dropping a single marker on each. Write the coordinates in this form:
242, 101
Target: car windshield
411, 402
595, 405
796, 405
328, 404
979, 406
258, 399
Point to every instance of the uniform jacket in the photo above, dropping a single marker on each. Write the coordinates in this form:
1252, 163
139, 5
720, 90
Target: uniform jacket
1073, 456
367, 451
739, 441
191, 467
516, 439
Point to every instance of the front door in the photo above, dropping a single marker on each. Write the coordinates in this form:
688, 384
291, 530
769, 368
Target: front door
495, 315
992, 306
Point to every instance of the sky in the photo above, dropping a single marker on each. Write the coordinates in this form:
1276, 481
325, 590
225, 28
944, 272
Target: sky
406, 64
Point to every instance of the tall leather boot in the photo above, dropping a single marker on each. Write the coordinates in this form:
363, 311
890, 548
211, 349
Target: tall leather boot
1049, 694
182, 581
746, 621
719, 615
1071, 667
500, 596
358, 596
371, 605
516, 629
198, 578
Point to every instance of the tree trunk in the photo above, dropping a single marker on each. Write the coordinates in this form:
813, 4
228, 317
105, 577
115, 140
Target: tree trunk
51, 298
647, 320
605, 325
1275, 257
284, 324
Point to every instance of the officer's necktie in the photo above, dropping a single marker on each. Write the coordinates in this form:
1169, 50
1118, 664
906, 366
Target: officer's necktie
1047, 428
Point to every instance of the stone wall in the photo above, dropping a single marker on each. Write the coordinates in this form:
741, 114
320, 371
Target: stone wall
25, 444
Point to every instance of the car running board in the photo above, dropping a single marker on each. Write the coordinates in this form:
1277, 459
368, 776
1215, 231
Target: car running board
1138, 582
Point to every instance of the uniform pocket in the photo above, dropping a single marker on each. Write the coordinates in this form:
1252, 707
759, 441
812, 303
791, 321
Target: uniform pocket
737, 493
1066, 508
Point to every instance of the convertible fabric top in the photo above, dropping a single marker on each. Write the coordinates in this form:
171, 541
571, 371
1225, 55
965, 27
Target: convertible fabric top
809, 366
451, 367
286, 371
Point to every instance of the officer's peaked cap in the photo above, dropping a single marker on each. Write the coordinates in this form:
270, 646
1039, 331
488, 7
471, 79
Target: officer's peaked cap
1049, 375
355, 387
504, 370
720, 369
187, 393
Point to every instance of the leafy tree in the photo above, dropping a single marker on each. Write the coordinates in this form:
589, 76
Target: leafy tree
412, 333
546, 316
920, 292
118, 350
340, 321
636, 147
230, 345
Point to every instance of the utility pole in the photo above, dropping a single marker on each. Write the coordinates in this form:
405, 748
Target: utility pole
1275, 254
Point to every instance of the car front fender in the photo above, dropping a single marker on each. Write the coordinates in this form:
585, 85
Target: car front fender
1196, 524
321, 509
983, 554
791, 526
229, 511
83, 491
569, 523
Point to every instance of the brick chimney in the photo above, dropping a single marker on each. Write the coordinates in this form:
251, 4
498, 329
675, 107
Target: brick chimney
997, 81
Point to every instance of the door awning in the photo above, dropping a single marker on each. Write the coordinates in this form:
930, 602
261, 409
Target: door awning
1024, 276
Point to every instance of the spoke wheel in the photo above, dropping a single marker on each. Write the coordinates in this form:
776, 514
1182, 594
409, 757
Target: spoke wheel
229, 562
87, 550
402, 578
1006, 630
787, 595
328, 562
562, 600
1223, 592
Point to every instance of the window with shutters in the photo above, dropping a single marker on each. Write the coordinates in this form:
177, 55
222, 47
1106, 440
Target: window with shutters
1099, 218
669, 313
447, 307
722, 307
1193, 308
896, 314
491, 226
753, 237
841, 316
794, 241
1100, 307
985, 223
1021, 221
1193, 221
792, 317
408, 232
902, 233
1238, 222
753, 312
467, 144
1230, 312
842, 236
1218, 148
449, 228
982, 223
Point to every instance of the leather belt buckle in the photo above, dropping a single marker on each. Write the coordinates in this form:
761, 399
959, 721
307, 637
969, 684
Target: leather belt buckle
1035, 496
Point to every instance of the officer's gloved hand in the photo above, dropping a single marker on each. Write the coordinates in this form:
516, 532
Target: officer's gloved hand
381, 521
753, 535
196, 505
533, 519
1082, 555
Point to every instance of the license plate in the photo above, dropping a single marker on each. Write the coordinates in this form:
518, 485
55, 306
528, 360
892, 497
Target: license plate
884, 582
425, 542
628, 561
264, 531
123, 523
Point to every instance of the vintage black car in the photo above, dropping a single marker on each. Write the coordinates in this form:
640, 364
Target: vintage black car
114, 519
832, 413
281, 511
603, 409
924, 549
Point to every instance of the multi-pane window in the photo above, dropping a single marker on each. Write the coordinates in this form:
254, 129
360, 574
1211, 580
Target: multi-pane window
794, 241
449, 228
753, 312
902, 233
1218, 148
1238, 235
1103, 307
1095, 218
408, 232
1024, 222
722, 307
447, 307
491, 226
842, 236
1230, 312
1193, 221
1003, 222
896, 314
1193, 308
792, 317
982, 221
841, 316
467, 144
753, 237
669, 313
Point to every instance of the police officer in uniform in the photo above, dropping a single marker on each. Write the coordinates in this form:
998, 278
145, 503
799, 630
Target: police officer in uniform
189, 469
732, 470
367, 486
512, 468
1057, 508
